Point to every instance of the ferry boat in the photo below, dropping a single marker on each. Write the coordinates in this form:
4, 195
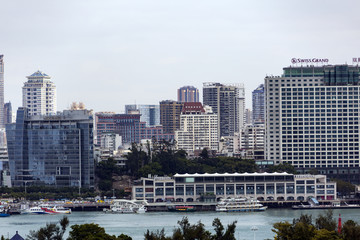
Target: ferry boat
54, 209
34, 210
240, 205
127, 206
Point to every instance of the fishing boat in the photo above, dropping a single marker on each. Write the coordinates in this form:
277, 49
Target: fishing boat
240, 205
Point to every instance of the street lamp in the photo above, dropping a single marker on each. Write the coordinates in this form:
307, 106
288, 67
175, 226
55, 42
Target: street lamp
254, 229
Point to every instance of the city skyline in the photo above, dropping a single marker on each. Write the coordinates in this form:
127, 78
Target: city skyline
159, 47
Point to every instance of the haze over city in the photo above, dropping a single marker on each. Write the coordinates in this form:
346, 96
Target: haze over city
111, 53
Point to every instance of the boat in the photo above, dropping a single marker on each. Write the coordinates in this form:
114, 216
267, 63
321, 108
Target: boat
181, 208
4, 211
34, 210
127, 206
56, 209
240, 205
314, 204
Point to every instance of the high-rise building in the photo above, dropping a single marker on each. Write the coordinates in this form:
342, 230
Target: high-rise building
54, 150
248, 116
170, 115
150, 114
312, 119
39, 94
198, 128
7, 113
252, 141
2, 91
188, 94
126, 125
258, 104
228, 102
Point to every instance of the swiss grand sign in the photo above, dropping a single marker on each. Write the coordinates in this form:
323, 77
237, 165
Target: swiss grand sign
309, 60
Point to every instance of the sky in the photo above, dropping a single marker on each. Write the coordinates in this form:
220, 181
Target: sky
110, 53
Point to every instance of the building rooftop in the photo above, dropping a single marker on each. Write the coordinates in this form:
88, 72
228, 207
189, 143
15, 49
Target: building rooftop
39, 74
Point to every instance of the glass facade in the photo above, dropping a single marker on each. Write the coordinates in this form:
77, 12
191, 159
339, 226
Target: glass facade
54, 150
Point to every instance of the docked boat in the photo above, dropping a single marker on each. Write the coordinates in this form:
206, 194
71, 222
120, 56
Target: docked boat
55, 209
34, 210
4, 211
127, 206
240, 205
181, 208
313, 203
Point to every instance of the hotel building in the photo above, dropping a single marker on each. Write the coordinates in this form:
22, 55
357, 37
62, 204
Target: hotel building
312, 119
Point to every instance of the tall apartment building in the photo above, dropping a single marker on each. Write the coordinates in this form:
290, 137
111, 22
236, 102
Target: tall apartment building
126, 125
228, 102
198, 128
7, 113
312, 119
188, 94
54, 150
2, 91
258, 104
170, 115
39, 94
252, 141
150, 114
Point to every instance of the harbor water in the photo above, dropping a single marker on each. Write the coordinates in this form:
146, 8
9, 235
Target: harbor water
135, 225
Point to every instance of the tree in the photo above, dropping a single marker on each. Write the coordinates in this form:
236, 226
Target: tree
91, 231
326, 221
283, 167
51, 231
344, 188
350, 230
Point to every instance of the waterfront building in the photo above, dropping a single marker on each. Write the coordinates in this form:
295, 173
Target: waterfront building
252, 141
188, 94
170, 115
258, 104
7, 113
312, 119
126, 125
198, 128
228, 102
55, 150
262, 186
2, 125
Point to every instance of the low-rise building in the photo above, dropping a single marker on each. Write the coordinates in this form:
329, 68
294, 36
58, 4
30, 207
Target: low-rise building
262, 186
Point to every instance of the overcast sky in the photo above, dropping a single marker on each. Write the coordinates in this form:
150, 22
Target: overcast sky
110, 53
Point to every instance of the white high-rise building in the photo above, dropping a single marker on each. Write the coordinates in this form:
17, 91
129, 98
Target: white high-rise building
312, 119
198, 128
39, 94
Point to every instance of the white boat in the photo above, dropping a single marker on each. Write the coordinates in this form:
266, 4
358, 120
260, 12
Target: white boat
240, 205
56, 209
34, 210
127, 206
